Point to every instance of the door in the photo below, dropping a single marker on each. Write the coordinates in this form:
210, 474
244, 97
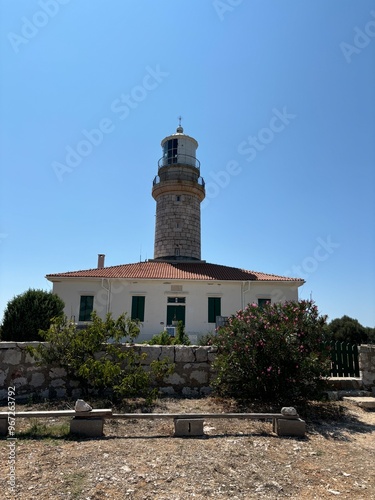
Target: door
175, 313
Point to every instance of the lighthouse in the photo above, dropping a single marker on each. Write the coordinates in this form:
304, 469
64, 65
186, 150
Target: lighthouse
178, 190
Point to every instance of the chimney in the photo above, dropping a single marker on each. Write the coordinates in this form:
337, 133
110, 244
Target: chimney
101, 258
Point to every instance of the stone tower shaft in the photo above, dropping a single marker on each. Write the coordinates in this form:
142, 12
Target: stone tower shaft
178, 190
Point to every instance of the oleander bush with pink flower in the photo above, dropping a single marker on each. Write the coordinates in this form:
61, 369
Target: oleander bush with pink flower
276, 352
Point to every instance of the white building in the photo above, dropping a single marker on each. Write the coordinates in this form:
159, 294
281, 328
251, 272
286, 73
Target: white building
176, 284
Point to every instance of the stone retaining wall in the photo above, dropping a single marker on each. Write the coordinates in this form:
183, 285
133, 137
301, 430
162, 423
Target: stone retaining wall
367, 365
191, 377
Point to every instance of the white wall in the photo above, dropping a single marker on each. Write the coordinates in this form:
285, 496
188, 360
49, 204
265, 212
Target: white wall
234, 296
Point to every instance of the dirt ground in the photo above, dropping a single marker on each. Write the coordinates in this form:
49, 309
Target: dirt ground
236, 459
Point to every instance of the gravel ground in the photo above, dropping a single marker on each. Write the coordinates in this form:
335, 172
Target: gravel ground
236, 459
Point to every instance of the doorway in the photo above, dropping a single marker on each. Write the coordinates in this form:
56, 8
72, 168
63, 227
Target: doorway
175, 313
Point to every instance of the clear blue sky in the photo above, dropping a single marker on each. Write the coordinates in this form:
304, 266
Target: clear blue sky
279, 95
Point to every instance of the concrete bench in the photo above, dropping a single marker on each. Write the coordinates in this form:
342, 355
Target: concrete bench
90, 424
191, 424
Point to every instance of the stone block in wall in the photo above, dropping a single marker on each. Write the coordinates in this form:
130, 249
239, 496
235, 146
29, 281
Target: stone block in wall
167, 352
57, 372
76, 393
29, 359
57, 382
175, 379
8, 345
19, 382
60, 392
3, 376
37, 379
184, 354
367, 364
201, 354
168, 391
200, 376
152, 354
13, 357
190, 392
45, 394
212, 353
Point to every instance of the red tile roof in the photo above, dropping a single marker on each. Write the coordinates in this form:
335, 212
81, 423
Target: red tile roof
201, 271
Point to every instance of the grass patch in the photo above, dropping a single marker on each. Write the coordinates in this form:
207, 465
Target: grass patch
75, 483
43, 430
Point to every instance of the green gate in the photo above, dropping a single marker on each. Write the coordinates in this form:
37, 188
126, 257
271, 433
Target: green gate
344, 359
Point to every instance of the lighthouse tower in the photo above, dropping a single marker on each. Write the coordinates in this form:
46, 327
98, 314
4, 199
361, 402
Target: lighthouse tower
178, 190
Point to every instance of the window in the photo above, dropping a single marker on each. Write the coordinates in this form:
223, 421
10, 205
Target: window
177, 300
214, 308
178, 198
177, 252
86, 307
138, 307
170, 151
263, 302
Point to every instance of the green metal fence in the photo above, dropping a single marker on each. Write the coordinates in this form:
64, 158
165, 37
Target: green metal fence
344, 359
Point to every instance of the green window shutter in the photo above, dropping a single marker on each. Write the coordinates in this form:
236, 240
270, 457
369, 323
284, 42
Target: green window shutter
138, 308
263, 302
86, 307
214, 308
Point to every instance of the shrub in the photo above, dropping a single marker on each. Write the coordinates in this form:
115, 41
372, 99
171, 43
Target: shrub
181, 336
275, 352
163, 338
95, 357
28, 313
207, 339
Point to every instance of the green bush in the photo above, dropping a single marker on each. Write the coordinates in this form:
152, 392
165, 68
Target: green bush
28, 313
181, 336
95, 357
275, 352
163, 338
207, 339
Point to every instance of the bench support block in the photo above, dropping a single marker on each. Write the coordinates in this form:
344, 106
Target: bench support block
188, 427
290, 427
4, 426
87, 427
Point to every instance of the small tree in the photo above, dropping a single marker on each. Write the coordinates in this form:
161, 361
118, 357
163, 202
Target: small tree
95, 357
181, 336
275, 352
28, 313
